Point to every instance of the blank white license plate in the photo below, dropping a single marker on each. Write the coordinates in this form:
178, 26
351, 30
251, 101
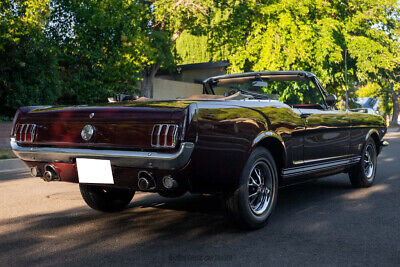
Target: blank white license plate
94, 171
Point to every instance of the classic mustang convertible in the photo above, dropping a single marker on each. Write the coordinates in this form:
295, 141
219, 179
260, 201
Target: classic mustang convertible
247, 135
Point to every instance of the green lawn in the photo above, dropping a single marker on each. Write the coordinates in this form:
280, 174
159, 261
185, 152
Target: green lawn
6, 154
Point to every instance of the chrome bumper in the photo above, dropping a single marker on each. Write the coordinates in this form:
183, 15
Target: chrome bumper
135, 159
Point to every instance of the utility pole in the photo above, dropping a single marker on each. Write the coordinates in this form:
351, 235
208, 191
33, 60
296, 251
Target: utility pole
345, 77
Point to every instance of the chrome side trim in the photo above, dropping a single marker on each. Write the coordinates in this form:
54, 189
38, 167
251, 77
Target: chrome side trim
320, 166
136, 159
320, 159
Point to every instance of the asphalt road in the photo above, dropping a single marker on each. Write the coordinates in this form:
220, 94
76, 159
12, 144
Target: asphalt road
325, 222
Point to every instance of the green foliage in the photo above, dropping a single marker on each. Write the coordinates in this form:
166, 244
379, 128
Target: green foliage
192, 49
28, 68
75, 52
369, 90
104, 50
6, 154
307, 35
5, 118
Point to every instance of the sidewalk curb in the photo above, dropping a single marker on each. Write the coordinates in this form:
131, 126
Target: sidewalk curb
9, 165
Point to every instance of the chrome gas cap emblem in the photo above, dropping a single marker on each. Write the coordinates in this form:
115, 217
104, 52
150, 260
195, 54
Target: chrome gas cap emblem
87, 132
91, 115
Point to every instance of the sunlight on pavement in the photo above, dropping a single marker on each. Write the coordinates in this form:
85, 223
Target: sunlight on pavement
366, 192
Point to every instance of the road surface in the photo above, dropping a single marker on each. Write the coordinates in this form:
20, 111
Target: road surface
325, 222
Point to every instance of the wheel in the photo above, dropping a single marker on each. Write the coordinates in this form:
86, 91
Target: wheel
172, 194
252, 203
106, 198
363, 174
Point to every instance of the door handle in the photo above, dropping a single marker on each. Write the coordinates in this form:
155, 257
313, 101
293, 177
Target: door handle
304, 115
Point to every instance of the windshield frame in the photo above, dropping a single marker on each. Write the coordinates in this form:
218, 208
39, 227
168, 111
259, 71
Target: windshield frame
209, 83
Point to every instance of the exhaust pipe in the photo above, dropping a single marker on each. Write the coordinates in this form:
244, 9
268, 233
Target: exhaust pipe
50, 174
145, 181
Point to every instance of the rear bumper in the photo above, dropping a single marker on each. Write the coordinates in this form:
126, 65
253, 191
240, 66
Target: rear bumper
124, 177
134, 159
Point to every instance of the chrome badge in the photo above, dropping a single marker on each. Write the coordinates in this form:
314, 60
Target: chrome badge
91, 115
87, 132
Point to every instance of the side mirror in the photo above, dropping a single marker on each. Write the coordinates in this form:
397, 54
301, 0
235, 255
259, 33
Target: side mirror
331, 100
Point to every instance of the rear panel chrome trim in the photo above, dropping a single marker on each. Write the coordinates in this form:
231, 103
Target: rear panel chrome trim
136, 159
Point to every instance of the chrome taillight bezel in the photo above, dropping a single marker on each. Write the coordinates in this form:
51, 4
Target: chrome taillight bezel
158, 132
22, 130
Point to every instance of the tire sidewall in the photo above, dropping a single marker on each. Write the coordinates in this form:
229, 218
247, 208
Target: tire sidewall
250, 218
364, 177
97, 199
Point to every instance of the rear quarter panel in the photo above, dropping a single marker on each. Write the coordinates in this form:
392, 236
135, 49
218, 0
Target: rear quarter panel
361, 125
228, 132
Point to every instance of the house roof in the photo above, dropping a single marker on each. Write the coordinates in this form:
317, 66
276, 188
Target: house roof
195, 66
204, 65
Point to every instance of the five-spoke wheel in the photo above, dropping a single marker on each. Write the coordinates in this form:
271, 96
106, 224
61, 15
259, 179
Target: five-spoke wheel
251, 204
259, 187
368, 161
363, 173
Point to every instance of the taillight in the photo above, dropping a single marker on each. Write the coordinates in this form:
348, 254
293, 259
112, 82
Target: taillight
17, 132
155, 135
164, 135
25, 132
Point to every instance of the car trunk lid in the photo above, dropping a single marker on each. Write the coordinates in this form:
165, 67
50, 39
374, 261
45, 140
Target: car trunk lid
118, 126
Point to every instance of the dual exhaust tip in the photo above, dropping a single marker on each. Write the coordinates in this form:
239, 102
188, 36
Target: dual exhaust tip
145, 178
50, 173
146, 181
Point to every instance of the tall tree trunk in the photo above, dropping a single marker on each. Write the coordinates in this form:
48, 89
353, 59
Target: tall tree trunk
146, 87
395, 101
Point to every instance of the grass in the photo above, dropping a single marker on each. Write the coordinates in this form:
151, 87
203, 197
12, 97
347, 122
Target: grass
6, 154
5, 118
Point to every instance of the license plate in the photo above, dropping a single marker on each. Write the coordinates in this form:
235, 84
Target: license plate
94, 171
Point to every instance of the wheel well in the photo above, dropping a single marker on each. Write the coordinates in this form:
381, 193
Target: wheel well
375, 137
277, 150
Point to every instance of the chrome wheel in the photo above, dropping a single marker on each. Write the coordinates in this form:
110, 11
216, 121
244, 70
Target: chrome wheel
260, 186
368, 162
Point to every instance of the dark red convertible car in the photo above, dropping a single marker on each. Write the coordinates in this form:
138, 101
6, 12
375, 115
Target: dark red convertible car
247, 135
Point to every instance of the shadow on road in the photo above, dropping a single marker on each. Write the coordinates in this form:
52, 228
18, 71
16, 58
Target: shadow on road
155, 229
322, 222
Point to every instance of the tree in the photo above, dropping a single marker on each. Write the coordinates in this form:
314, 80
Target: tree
111, 45
377, 51
305, 35
28, 68
102, 47
170, 19
192, 49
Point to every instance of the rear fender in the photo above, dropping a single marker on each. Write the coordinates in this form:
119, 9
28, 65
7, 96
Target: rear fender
274, 143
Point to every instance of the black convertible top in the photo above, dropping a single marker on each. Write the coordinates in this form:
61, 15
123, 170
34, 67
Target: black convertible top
305, 74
